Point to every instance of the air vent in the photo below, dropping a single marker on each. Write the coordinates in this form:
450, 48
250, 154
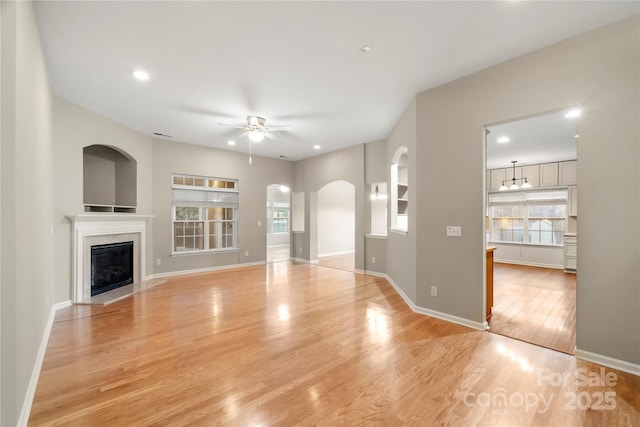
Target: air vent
283, 157
162, 134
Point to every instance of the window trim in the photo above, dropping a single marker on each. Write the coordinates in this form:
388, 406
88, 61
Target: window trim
527, 198
204, 216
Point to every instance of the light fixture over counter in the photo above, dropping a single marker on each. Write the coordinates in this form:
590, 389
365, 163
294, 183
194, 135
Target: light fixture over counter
513, 180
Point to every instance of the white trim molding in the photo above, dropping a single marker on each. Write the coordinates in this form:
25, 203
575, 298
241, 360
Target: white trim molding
207, 269
23, 418
609, 362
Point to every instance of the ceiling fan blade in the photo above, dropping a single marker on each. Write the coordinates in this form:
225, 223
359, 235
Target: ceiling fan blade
278, 128
268, 135
232, 125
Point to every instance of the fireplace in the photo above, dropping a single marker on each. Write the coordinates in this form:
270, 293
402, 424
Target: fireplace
107, 230
111, 266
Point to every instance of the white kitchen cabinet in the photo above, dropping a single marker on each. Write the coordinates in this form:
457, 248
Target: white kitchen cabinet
570, 252
572, 202
532, 173
497, 176
549, 175
568, 173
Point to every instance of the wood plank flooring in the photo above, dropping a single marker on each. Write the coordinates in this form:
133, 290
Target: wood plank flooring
342, 262
296, 344
536, 305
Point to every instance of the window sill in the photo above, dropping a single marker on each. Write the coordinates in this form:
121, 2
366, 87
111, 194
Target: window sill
537, 245
207, 252
398, 231
375, 236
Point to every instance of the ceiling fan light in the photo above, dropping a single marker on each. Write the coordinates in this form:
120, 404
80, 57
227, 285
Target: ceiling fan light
256, 135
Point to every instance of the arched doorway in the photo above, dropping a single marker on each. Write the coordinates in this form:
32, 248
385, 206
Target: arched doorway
336, 225
278, 223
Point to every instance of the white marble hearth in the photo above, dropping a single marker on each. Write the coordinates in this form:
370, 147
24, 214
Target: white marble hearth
97, 229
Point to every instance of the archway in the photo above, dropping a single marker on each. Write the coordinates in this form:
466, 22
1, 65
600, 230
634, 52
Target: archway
336, 225
278, 223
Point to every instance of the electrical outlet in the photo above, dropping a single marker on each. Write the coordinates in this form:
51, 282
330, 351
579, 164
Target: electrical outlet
434, 291
246, 253
158, 261
373, 260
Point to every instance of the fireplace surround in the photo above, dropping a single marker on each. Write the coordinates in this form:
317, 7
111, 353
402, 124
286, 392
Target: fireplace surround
105, 229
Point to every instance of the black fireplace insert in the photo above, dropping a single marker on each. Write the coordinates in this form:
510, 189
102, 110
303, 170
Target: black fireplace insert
111, 266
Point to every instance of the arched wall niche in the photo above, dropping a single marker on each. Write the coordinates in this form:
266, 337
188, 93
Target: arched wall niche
109, 179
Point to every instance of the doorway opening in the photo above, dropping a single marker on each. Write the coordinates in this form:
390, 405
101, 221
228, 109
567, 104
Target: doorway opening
531, 229
278, 223
336, 224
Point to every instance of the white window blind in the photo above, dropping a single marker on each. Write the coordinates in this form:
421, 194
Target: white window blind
207, 198
528, 197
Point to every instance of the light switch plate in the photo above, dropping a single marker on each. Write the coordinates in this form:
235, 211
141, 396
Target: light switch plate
454, 231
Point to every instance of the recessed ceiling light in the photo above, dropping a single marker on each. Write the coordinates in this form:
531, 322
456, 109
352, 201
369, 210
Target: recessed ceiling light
231, 143
316, 147
141, 75
572, 113
366, 48
575, 136
504, 139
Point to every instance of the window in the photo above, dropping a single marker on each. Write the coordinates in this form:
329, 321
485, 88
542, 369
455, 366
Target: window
204, 213
280, 220
534, 217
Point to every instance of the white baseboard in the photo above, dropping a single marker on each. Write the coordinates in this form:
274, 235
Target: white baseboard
357, 271
432, 313
377, 274
531, 264
609, 362
23, 419
206, 269
300, 260
336, 253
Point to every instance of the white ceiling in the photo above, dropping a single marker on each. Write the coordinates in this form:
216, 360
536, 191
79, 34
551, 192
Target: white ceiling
294, 63
546, 138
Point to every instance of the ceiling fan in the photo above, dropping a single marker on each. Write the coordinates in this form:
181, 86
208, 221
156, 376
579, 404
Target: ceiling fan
256, 129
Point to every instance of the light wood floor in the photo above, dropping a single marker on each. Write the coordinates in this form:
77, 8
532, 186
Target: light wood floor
342, 262
536, 305
286, 344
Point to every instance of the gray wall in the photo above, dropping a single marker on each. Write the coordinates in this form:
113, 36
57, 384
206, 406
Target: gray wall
26, 199
599, 71
376, 170
253, 179
74, 129
346, 164
401, 249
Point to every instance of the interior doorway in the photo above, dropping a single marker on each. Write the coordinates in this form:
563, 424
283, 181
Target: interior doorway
531, 223
336, 225
278, 223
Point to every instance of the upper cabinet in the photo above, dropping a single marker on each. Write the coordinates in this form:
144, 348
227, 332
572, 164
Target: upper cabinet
549, 175
540, 175
532, 173
496, 176
568, 173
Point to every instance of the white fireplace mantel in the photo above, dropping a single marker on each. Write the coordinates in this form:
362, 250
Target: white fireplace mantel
98, 228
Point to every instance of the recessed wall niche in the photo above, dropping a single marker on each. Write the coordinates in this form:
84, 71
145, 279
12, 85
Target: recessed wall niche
109, 180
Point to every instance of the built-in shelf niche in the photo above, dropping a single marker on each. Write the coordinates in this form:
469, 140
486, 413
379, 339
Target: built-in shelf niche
400, 190
109, 180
